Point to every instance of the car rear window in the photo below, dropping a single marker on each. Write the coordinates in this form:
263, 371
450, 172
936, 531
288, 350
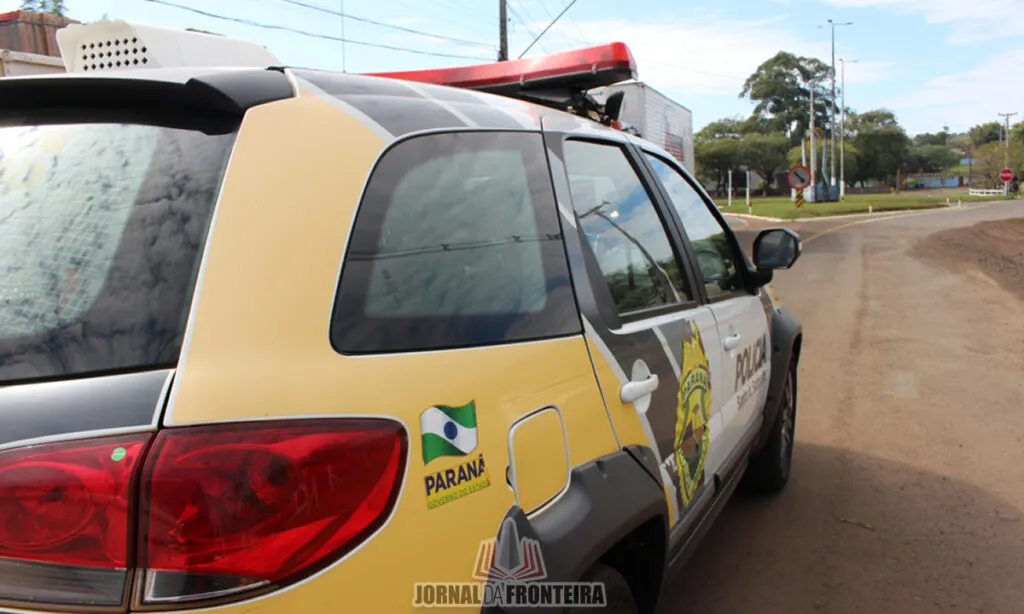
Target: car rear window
456, 243
101, 231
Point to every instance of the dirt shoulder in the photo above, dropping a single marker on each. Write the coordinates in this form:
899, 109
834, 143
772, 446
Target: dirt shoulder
907, 491
993, 250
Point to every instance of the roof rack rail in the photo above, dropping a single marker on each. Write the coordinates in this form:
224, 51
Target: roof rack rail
560, 81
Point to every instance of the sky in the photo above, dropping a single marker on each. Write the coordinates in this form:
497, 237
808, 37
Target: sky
934, 63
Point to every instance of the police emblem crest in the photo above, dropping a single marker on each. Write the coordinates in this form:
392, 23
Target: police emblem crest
691, 434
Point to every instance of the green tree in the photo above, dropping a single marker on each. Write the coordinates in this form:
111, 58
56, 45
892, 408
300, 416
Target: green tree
1017, 132
853, 163
779, 89
939, 138
990, 159
931, 158
985, 133
715, 158
852, 159
795, 156
882, 144
716, 151
764, 154
54, 7
727, 127
759, 125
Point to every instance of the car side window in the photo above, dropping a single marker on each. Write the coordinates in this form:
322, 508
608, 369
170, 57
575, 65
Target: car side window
622, 226
456, 243
718, 262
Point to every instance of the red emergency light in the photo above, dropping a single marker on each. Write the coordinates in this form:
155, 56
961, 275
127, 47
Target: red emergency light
560, 80
583, 69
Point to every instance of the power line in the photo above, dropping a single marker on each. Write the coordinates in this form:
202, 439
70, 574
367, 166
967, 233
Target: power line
533, 33
344, 65
522, 22
465, 10
529, 15
686, 68
578, 29
544, 7
568, 39
382, 24
339, 39
564, 11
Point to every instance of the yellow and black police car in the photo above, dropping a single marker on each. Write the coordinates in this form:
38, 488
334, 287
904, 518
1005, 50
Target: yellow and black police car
280, 341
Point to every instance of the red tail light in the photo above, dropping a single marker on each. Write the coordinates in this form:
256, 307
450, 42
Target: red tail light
66, 508
231, 508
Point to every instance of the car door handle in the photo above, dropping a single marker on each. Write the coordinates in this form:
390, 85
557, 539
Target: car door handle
732, 342
631, 392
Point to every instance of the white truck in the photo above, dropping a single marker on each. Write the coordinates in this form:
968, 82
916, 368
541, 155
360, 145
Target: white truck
19, 63
655, 117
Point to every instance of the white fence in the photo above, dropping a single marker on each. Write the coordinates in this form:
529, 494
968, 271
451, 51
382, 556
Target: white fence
976, 192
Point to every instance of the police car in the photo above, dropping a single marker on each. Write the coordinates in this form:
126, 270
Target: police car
278, 340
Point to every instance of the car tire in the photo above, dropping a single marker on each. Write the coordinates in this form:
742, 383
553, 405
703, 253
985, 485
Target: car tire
769, 468
617, 592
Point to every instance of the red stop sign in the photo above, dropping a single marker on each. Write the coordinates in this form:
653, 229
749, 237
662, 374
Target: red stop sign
1006, 175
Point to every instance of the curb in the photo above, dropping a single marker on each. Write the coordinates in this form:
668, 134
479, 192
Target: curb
744, 216
878, 214
801, 220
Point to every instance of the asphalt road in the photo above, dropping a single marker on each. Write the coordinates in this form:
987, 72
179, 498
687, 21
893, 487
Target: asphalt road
907, 493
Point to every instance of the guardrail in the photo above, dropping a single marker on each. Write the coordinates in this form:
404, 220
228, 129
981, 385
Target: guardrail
974, 192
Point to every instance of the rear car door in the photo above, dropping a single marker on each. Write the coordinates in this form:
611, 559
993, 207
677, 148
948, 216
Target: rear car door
739, 314
642, 317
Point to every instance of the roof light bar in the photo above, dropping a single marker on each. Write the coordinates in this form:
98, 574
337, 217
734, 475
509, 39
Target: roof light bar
560, 81
579, 69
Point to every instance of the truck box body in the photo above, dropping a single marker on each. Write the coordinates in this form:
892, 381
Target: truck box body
656, 117
17, 64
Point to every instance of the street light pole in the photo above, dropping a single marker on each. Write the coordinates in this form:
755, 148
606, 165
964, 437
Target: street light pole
832, 178
842, 130
814, 151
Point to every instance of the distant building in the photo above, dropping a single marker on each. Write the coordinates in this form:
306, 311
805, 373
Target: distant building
933, 180
31, 32
28, 43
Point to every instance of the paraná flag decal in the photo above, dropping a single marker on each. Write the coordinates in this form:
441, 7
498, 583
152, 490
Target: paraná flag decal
448, 431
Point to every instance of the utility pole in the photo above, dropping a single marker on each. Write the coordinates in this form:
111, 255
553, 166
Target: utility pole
749, 209
970, 162
1006, 138
842, 130
814, 151
503, 30
730, 188
832, 178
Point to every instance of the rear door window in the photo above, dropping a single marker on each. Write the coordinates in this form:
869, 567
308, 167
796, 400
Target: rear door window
456, 243
623, 229
101, 231
718, 261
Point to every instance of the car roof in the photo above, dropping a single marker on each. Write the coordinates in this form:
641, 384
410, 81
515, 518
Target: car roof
400, 108
391, 107
394, 108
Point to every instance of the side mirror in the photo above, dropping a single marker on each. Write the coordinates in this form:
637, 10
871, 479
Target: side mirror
613, 106
776, 248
